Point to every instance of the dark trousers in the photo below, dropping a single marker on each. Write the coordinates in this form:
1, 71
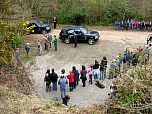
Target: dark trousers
90, 80
71, 85
76, 83
50, 45
75, 44
48, 87
84, 81
54, 25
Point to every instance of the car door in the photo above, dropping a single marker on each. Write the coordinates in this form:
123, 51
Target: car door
80, 34
63, 34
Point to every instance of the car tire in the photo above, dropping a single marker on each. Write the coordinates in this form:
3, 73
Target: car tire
91, 41
67, 40
44, 31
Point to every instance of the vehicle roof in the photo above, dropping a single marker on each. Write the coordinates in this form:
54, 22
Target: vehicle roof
34, 21
72, 27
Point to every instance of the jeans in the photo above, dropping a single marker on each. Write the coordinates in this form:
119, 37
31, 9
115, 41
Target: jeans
95, 76
63, 92
55, 86
101, 75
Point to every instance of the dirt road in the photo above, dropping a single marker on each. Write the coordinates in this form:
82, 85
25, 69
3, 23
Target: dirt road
110, 44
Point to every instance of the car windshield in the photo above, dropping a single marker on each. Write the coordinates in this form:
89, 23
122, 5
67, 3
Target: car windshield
40, 23
84, 30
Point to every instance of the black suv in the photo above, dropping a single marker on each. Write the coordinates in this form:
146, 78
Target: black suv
82, 33
40, 27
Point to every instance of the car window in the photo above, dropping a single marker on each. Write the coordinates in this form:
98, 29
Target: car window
84, 30
64, 31
78, 32
70, 31
40, 23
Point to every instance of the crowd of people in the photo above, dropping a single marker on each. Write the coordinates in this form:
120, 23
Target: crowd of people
95, 71
130, 24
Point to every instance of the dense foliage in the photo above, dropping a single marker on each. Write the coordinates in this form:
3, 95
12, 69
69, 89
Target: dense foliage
103, 12
12, 30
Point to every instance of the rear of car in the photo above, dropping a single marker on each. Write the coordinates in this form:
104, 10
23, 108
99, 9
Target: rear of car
40, 27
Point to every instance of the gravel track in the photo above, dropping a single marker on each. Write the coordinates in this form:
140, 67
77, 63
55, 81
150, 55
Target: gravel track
110, 44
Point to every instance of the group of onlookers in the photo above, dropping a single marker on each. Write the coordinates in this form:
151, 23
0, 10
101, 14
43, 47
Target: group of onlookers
121, 63
96, 71
130, 24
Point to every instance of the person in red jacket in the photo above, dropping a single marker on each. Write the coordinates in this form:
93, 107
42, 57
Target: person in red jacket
71, 80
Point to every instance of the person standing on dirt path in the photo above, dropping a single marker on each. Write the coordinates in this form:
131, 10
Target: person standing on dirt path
71, 81
27, 49
104, 62
46, 46
83, 77
90, 73
75, 39
55, 43
96, 70
76, 76
18, 57
47, 80
112, 69
101, 77
54, 78
55, 22
49, 38
63, 86
39, 46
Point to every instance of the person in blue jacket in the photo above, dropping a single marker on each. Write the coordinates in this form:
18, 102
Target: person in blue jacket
63, 86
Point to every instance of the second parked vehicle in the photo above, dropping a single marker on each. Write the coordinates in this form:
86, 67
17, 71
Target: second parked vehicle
82, 34
40, 27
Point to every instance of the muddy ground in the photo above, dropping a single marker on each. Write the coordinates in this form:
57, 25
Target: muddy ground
110, 44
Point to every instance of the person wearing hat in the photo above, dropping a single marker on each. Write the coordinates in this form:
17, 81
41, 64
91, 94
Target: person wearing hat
55, 43
63, 85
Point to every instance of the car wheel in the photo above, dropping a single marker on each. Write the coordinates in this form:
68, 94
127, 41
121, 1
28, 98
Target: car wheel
91, 41
67, 40
44, 31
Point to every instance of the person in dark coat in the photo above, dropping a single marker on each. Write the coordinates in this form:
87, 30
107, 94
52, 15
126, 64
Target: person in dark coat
76, 76
104, 62
54, 79
47, 80
75, 39
96, 69
101, 72
55, 22
83, 77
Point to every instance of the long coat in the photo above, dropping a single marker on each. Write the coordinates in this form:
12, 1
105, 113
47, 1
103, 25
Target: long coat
55, 42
